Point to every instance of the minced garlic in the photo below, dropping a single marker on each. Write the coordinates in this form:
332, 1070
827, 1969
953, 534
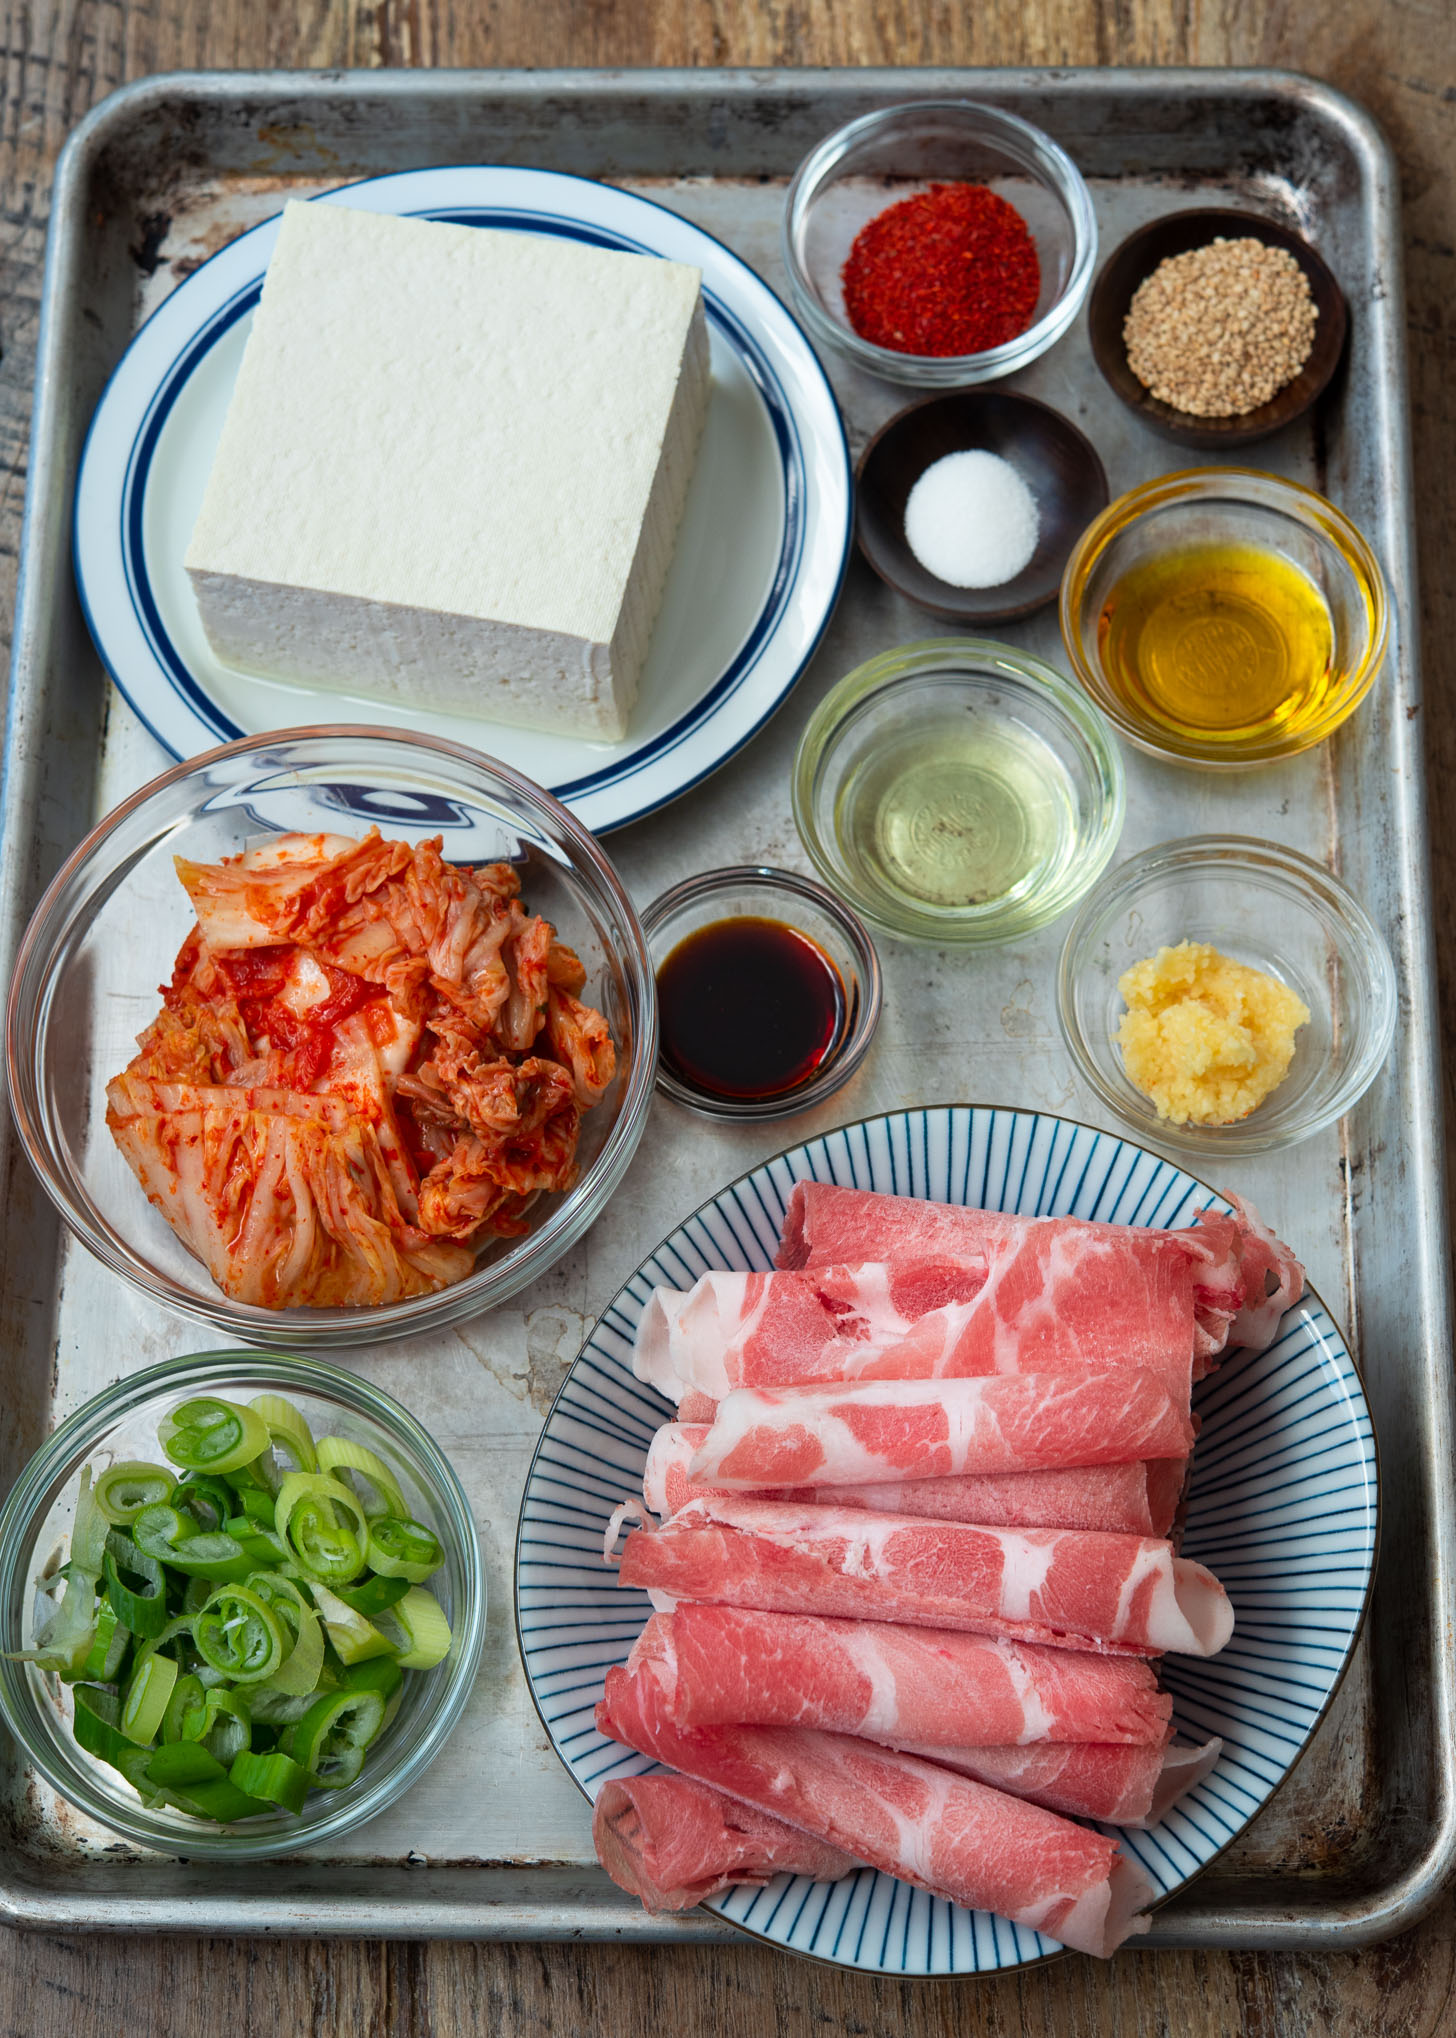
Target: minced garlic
1206, 1039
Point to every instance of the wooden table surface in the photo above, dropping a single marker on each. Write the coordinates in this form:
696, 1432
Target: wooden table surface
1399, 57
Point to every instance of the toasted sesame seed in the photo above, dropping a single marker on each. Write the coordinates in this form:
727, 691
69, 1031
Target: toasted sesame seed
1222, 329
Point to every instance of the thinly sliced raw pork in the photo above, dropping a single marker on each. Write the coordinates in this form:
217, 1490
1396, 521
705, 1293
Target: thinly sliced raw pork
904, 1816
1066, 1587
675, 1842
1138, 1500
1236, 1259
869, 1430
1047, 1299
1123, 1786
910, 1686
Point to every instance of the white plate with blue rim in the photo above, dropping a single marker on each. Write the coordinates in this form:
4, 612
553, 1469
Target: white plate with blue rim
757, 569
1282, 1508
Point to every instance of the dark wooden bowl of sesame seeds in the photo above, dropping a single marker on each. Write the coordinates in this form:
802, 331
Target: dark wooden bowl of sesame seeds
1131, 264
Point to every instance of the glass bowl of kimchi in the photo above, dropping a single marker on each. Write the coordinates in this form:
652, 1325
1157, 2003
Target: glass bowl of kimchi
120, 1426
333, 1035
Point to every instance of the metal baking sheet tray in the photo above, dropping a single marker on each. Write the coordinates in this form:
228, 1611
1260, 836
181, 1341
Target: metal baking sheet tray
495, 1840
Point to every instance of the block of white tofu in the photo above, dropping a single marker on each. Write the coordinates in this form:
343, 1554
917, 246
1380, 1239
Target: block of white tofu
453, 468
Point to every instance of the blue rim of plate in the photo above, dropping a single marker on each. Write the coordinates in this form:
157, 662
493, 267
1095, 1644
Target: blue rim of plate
1296, 1413
212, 726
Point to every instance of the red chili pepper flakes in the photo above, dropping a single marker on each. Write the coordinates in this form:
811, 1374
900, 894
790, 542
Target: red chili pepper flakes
952, 270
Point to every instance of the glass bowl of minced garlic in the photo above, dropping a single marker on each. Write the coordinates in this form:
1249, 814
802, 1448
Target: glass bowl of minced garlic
1222, 994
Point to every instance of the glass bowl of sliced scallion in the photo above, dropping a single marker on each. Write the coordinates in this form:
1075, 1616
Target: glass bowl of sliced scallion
242, 1605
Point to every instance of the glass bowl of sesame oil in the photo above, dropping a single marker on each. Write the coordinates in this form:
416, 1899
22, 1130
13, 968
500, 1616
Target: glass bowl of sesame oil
958, 792
1224, 616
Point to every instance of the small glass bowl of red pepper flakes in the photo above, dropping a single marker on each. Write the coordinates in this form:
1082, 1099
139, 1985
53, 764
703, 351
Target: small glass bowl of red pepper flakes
940, 243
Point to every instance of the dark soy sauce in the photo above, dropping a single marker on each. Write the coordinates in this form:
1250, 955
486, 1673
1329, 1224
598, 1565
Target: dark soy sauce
749, 1008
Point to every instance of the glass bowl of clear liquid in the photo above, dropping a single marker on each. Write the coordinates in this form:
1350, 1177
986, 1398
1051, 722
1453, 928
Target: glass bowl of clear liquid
959, 792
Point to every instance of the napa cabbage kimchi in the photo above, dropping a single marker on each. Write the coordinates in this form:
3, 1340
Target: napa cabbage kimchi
368, 1063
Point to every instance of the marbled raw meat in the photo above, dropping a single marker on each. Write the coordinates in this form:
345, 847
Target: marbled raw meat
1139, 1500
905, 1816
674, 1842
1048, 1299
1121, 1785
867, 1430
1239, 1265
922, 1687
1067, 1587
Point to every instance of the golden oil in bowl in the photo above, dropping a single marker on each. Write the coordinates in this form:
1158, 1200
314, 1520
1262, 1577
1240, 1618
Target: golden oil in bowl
1220, 641
1224, 617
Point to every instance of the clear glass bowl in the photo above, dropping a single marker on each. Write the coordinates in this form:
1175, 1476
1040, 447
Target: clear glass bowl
105, 935
1233, 506
1258, 903
883, 157
121, 1423
759, 892
929, 693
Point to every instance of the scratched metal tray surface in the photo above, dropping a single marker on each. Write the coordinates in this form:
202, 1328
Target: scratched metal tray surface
495, 1841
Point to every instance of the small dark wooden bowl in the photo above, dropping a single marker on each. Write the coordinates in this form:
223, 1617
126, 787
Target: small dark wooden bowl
1136, 259
1058, 464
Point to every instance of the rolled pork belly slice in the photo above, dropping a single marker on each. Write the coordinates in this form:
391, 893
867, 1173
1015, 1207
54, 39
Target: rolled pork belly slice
1138, 1500
1235, 1258
1068, 1588
913, 1687
1121, 1785
1048, 1299
1273, 1280
898, 1813
869, 1430
735, 1328
674, 1842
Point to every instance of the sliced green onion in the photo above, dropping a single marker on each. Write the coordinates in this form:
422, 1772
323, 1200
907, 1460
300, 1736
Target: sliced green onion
125, 1489
286, 1426
88, 1531
64, 1640
427, 1632
380, 1673
299, 1672
136, 1585
339, 1454
354, 1638
331, 1738
210, 1435
171, 1536
258, 1505
237, 1634
145, 1705
227, 1723
271, 1707
197, 1782
186, 1711
373, 1596
323, 1525
209, 1501
109, 1644
267, 1551
276, 1777
180, 1764
403, 1549
94, 1724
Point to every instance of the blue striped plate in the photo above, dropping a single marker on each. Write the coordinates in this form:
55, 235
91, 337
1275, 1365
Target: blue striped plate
1283, 1509
756, 570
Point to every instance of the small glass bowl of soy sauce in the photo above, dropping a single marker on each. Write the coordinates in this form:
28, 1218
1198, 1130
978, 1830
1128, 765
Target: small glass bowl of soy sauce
768, 992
